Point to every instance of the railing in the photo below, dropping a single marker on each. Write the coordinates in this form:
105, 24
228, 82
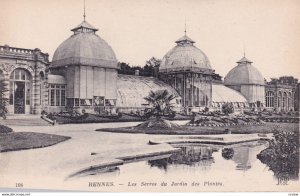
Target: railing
22, 51
16, 50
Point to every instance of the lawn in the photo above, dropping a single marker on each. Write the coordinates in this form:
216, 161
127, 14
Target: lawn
198, 130
15, 141
92, 118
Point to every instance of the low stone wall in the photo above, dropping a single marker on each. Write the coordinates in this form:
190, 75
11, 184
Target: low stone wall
281, 119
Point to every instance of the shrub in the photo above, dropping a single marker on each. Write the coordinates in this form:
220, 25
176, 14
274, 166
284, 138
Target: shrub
5, 129
3, 99
282, 155
227, 153
227, 108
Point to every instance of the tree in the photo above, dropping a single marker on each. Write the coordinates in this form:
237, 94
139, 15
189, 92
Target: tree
3, 99
125, 68
151, 66
148, 70
282, 154
153, 62
227, 108
160, 100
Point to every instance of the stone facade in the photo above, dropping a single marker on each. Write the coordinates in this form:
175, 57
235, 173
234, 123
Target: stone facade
24, 71
282, 94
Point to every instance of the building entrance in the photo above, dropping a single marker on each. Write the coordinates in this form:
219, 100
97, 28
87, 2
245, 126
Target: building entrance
20, 91
19, 98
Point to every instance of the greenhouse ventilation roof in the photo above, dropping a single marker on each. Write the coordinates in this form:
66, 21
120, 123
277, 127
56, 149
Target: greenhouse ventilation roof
221, 93
132, 90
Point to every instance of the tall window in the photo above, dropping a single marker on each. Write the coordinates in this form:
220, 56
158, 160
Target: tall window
270, 99
1, 90
290, 100
42, 77
57, 95
284, 100
19, 86
279, 99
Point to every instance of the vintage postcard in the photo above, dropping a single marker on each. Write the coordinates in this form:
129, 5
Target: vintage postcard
149, 96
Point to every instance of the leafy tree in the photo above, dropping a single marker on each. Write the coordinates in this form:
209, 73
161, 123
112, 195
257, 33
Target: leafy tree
282, 155
160, 100
3, 99
148, 70
153, 62
151, 65
125, 68
227, 108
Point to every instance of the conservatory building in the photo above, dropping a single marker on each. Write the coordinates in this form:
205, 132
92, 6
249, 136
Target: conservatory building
83, 75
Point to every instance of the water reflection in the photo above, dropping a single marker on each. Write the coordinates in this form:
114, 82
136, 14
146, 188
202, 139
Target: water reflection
227, 153
210, 161
189, 155
243, 155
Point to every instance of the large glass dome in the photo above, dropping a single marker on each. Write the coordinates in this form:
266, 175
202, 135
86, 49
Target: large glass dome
85, 47
244, 73
184, 56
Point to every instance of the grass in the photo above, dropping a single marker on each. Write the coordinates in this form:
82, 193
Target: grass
28, 140
195, 130
5, 129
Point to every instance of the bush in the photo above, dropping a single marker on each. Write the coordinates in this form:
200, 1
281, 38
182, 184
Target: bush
5, 129
3, 99
282, 155
227, 153
227, 108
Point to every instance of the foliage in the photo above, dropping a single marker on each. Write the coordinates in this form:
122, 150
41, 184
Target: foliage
227, 108
282, 155
157, 124
3, 99
5, 129
227, 153
148, 70
160, 102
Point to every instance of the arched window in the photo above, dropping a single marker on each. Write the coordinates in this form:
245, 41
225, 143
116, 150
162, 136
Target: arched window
42, 78
289, 100
270, 99
279, 99
19, 89
284, 100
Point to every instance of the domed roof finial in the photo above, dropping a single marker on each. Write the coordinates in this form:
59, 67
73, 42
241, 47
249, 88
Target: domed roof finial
84, 10
185, 26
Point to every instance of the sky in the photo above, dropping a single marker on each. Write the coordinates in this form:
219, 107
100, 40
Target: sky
137, 30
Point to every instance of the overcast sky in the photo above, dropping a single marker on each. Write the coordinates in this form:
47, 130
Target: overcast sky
140, 29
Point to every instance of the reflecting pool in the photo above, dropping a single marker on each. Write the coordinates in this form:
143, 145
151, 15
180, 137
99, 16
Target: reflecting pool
229, 164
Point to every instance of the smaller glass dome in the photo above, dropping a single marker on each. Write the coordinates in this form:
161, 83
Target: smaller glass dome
244, 73
184, 56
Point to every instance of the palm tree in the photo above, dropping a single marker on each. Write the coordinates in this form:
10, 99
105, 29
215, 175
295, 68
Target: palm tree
161, 102
3, 99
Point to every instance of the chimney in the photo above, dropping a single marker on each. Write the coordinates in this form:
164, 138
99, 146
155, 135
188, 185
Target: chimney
137, 72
